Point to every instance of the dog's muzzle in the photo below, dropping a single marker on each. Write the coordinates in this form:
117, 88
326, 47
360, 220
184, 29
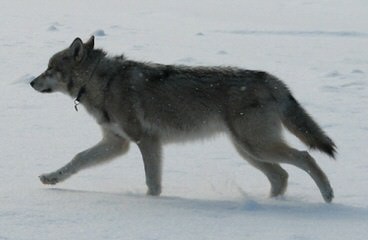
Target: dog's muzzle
36, 85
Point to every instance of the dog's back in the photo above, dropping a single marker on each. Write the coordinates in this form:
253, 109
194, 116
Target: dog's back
187, 99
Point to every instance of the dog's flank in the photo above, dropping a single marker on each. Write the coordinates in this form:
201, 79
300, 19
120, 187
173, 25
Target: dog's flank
152, 104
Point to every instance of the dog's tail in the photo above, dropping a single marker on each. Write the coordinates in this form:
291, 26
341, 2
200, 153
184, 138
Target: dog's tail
298, 121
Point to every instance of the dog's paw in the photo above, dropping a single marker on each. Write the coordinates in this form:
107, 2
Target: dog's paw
154, 191
50, 179
328, 195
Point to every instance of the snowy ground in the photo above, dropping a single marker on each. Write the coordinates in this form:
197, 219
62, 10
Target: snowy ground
318, 47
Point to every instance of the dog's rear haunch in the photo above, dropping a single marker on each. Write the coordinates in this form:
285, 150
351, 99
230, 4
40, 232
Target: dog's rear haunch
152, 104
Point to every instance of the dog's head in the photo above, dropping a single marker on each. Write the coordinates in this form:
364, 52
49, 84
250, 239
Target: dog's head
58, 75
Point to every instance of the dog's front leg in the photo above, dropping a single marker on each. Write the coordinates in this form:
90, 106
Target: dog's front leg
109, 147
150, 148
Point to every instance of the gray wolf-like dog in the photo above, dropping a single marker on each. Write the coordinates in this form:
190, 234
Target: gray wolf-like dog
152, 104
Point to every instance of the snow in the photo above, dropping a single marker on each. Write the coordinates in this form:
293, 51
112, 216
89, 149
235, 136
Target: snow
319, 48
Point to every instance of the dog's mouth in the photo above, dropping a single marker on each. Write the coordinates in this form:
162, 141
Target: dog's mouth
47, 90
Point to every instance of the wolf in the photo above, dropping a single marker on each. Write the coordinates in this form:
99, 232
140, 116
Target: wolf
153, 104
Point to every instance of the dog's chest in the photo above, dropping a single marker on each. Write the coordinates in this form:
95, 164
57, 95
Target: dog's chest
101, 115
106, 121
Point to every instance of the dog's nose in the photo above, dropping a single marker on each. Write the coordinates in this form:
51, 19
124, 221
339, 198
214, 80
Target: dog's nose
32, 83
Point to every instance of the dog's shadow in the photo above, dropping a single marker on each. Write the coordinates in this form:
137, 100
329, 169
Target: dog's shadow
247, 205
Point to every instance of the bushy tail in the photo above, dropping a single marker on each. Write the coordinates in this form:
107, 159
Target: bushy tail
297, 120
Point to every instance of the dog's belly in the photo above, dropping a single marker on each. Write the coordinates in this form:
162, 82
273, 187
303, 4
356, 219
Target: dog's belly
170, 134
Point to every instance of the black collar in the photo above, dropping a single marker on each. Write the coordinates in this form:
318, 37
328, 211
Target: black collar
82, 90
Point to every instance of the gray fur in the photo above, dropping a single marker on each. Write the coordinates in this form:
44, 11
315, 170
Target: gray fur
153, 104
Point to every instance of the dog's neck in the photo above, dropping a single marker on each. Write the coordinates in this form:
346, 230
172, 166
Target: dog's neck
82, 90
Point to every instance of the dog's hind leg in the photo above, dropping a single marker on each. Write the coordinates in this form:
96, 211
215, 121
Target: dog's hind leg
277, 176
282, 153
258, 133
108, 148
150, 148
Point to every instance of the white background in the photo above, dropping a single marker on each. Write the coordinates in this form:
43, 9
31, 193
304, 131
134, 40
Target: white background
318, 47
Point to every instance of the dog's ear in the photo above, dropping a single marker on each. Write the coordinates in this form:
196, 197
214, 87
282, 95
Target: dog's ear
89, 45
77, 49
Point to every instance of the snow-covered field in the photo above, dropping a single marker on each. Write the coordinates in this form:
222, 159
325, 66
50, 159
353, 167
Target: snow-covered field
318, 47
